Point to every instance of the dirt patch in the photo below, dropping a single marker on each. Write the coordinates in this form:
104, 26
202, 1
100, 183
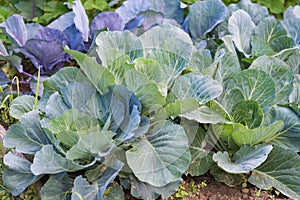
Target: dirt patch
207, 188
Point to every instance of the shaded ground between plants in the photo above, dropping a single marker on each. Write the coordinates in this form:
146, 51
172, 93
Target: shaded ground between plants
214, 190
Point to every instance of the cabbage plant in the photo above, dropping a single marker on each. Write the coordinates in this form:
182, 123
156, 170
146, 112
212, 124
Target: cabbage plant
219, 96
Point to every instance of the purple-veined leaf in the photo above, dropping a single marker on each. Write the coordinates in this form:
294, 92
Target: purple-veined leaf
111, 20
15, 29
81, 20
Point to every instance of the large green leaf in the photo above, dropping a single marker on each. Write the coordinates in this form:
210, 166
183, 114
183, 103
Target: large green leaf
61, 79
181, 107
17, 176
83, 97
245, 159
281, 73
200, 60
241, 27
21, 105
146, 191
84, 190
256, 11
192, 85
204, 16
57, 188
172, 55
228, 64
47, 161
157, 35
271, 33
293, 60
232, 180
99, 76
292, 25
145, 90
72, 125
248, 113
55, 107
96, 144
204, 115
114, 192
289, 137
281, 170
201, 158
119, 67
242, 135
113, 44
254, 85
231, 99
149, 161
27, 136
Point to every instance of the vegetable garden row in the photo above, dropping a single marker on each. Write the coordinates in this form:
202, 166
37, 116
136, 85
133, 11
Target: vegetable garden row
137, 97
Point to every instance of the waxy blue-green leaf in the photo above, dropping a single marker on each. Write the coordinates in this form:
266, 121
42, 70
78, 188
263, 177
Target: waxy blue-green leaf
256, 11
154, 37
264, 134
232, 180
231, 99
245, 159
84, 190
114, 192
17, 176
21, 105
99, 76
192, 85
57, 188
180, 107
152, 70
205, 115
281, 170
292, 12
201, 158
55, 107
119, 67
204, 16
172, 55
47, 161
96, 144
200, 60
27, 136
248, 113
165, 137
280, 72
293, 60
56, 82
253, 85
83, 97
271, 33
146, 191
144, 89
241, 27
291, 26
120, 43
289, 137
72, 125
227, 65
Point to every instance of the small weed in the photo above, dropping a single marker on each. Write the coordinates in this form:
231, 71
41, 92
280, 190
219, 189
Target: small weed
188, 190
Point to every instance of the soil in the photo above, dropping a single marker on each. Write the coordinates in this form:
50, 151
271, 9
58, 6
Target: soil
213, 190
